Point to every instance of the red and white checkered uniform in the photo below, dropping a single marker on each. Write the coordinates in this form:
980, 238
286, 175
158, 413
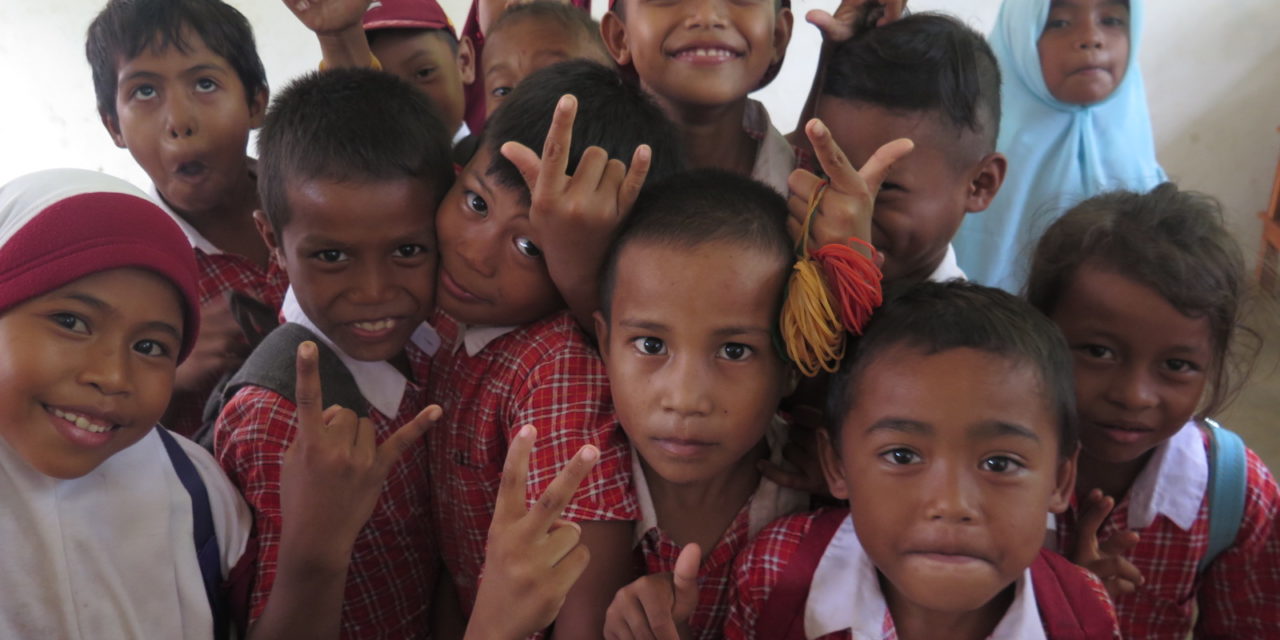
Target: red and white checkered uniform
1239, 594
546, 374
393, 563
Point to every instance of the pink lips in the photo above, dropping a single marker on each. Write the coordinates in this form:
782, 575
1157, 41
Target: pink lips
77, 435
455, 289
682, 448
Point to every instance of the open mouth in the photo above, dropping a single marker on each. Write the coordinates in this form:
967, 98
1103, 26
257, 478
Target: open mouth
89, 423
192, 169
708, 54
374, 328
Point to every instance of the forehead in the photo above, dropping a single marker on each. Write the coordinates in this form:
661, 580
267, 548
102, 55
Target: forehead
1102, 300
533, 35
167, 55
860, 128
359, 211
119, 292
502, 200
1089, 4
719, 282
410, 42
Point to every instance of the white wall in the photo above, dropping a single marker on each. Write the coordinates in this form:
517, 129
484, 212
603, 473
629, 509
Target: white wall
1212, 75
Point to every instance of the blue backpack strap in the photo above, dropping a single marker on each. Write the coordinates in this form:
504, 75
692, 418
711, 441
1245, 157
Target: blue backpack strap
206, 538
1228, 477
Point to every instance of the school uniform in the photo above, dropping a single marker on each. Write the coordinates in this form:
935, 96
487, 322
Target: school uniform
393, 563
1238, 595
658, 552
948, 269
490, 382
821, 551
775, 157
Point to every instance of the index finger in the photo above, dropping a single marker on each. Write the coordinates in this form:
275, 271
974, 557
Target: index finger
1092, 516
555, 150
515, 475
558, 494
307, 396
835, 164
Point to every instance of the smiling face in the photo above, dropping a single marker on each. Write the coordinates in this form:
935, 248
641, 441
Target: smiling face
491, 273
87, 369
523, 46
361, 258
949, 477
185, 119
1140, 364
701, 53
1084, 49
689, 351
425, 59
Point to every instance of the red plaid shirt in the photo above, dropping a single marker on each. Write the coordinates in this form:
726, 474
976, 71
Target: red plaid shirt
1237, 597
546, 374
393, 563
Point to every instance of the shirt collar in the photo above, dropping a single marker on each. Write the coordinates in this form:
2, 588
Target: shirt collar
379, 382
476, 338
1173, 483
948, 269
845, 594
462, 132
775, 158
197, 240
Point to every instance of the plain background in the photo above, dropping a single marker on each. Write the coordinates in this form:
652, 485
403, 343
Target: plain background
1211, 70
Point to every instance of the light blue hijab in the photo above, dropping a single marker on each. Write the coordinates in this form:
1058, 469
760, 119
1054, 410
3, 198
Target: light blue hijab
1059, 153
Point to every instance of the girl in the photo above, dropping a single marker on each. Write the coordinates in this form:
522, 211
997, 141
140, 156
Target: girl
1075, 123
1147, 289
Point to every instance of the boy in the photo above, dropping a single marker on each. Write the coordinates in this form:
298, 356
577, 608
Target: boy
510, 352
353, 164
180, 85
929, 78
700, 59
949, 479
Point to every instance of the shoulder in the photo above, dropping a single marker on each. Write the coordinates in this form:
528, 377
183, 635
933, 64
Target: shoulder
254, 420
231, 518
769, 552
554, 347
1261, 503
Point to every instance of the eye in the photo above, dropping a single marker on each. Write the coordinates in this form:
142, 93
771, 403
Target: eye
476, 203
143, 92
1057, 23
901, 456
1000, 464
329, 255
410, 250
735, 351
1113, 21
151, 348
206, 85
890, 186
70, 322
1096, 351
500, 92
528, 248
1178, 365
424, 73
650, 346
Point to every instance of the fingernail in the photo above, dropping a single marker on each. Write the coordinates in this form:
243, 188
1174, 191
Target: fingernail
590, 453
525, 431
307, 349
564, 102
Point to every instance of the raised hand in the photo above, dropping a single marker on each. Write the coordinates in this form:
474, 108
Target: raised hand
533, 557
658, 605
220, 347
1106, 559
846, 207
328, 16
851, 15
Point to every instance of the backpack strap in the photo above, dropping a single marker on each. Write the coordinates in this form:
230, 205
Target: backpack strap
1228, 480
206, 538
782, 615
1070, 608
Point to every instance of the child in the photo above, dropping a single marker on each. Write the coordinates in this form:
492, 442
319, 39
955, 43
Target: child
180, 85
354, 162
929, 78
1147, 289
510, 353
1075, 124
700, 59
114, 528
949, 478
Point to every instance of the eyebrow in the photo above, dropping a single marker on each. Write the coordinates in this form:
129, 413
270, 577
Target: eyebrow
164, 327
902, 425
985, 430
737, 331
646, 325
100, 305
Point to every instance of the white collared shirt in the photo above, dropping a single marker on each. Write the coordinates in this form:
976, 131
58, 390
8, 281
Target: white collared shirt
845, 594
379, 382
462, 132
1173, 483
948, 269
775, 158
197, 240
476, 338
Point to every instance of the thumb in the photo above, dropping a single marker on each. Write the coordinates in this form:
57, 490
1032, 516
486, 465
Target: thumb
878, 165
685, 582
526, 161
823, 20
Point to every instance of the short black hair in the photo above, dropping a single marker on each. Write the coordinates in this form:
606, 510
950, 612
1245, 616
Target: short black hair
124, 28
938, 316
572, 18
698, 207
923, 62
349, 125
613, 113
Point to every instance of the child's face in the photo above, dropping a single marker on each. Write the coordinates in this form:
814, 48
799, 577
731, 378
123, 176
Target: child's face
924, 197
87, 369
1140, 364
701, 53
491, 273
689, 351
424, 59
522, 47
185, 119
950, 462
1084, 49
361, 258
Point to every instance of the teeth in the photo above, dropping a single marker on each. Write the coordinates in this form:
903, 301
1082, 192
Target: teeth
81, 421
711, 53
377, 325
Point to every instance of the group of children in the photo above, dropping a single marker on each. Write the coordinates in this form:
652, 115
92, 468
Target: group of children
579, 357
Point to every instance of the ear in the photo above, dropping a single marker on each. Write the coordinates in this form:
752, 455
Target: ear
466, 60
614, 33
112, 124
832, 466
269, 236
1066, 483
782, 34
985, 182
258, 107
602, 336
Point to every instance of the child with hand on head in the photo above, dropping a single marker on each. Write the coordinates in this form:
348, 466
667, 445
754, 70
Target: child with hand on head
1148, 290
949, 479
180, 85
354, 162
1076, 124
113, 526
510, 352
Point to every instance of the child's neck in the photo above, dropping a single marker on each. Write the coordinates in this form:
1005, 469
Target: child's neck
914, 622
714, 137
702, 511
1113, 478
229, 226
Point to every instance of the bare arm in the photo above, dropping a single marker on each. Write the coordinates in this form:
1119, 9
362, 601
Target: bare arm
611, 568
337, 25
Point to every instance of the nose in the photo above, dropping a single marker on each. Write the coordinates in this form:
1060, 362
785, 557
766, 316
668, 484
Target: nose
684, 386
180, 117
1089, 35
1134, 389
707, 14
374, 285
107, 370
952, 494
478, 247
